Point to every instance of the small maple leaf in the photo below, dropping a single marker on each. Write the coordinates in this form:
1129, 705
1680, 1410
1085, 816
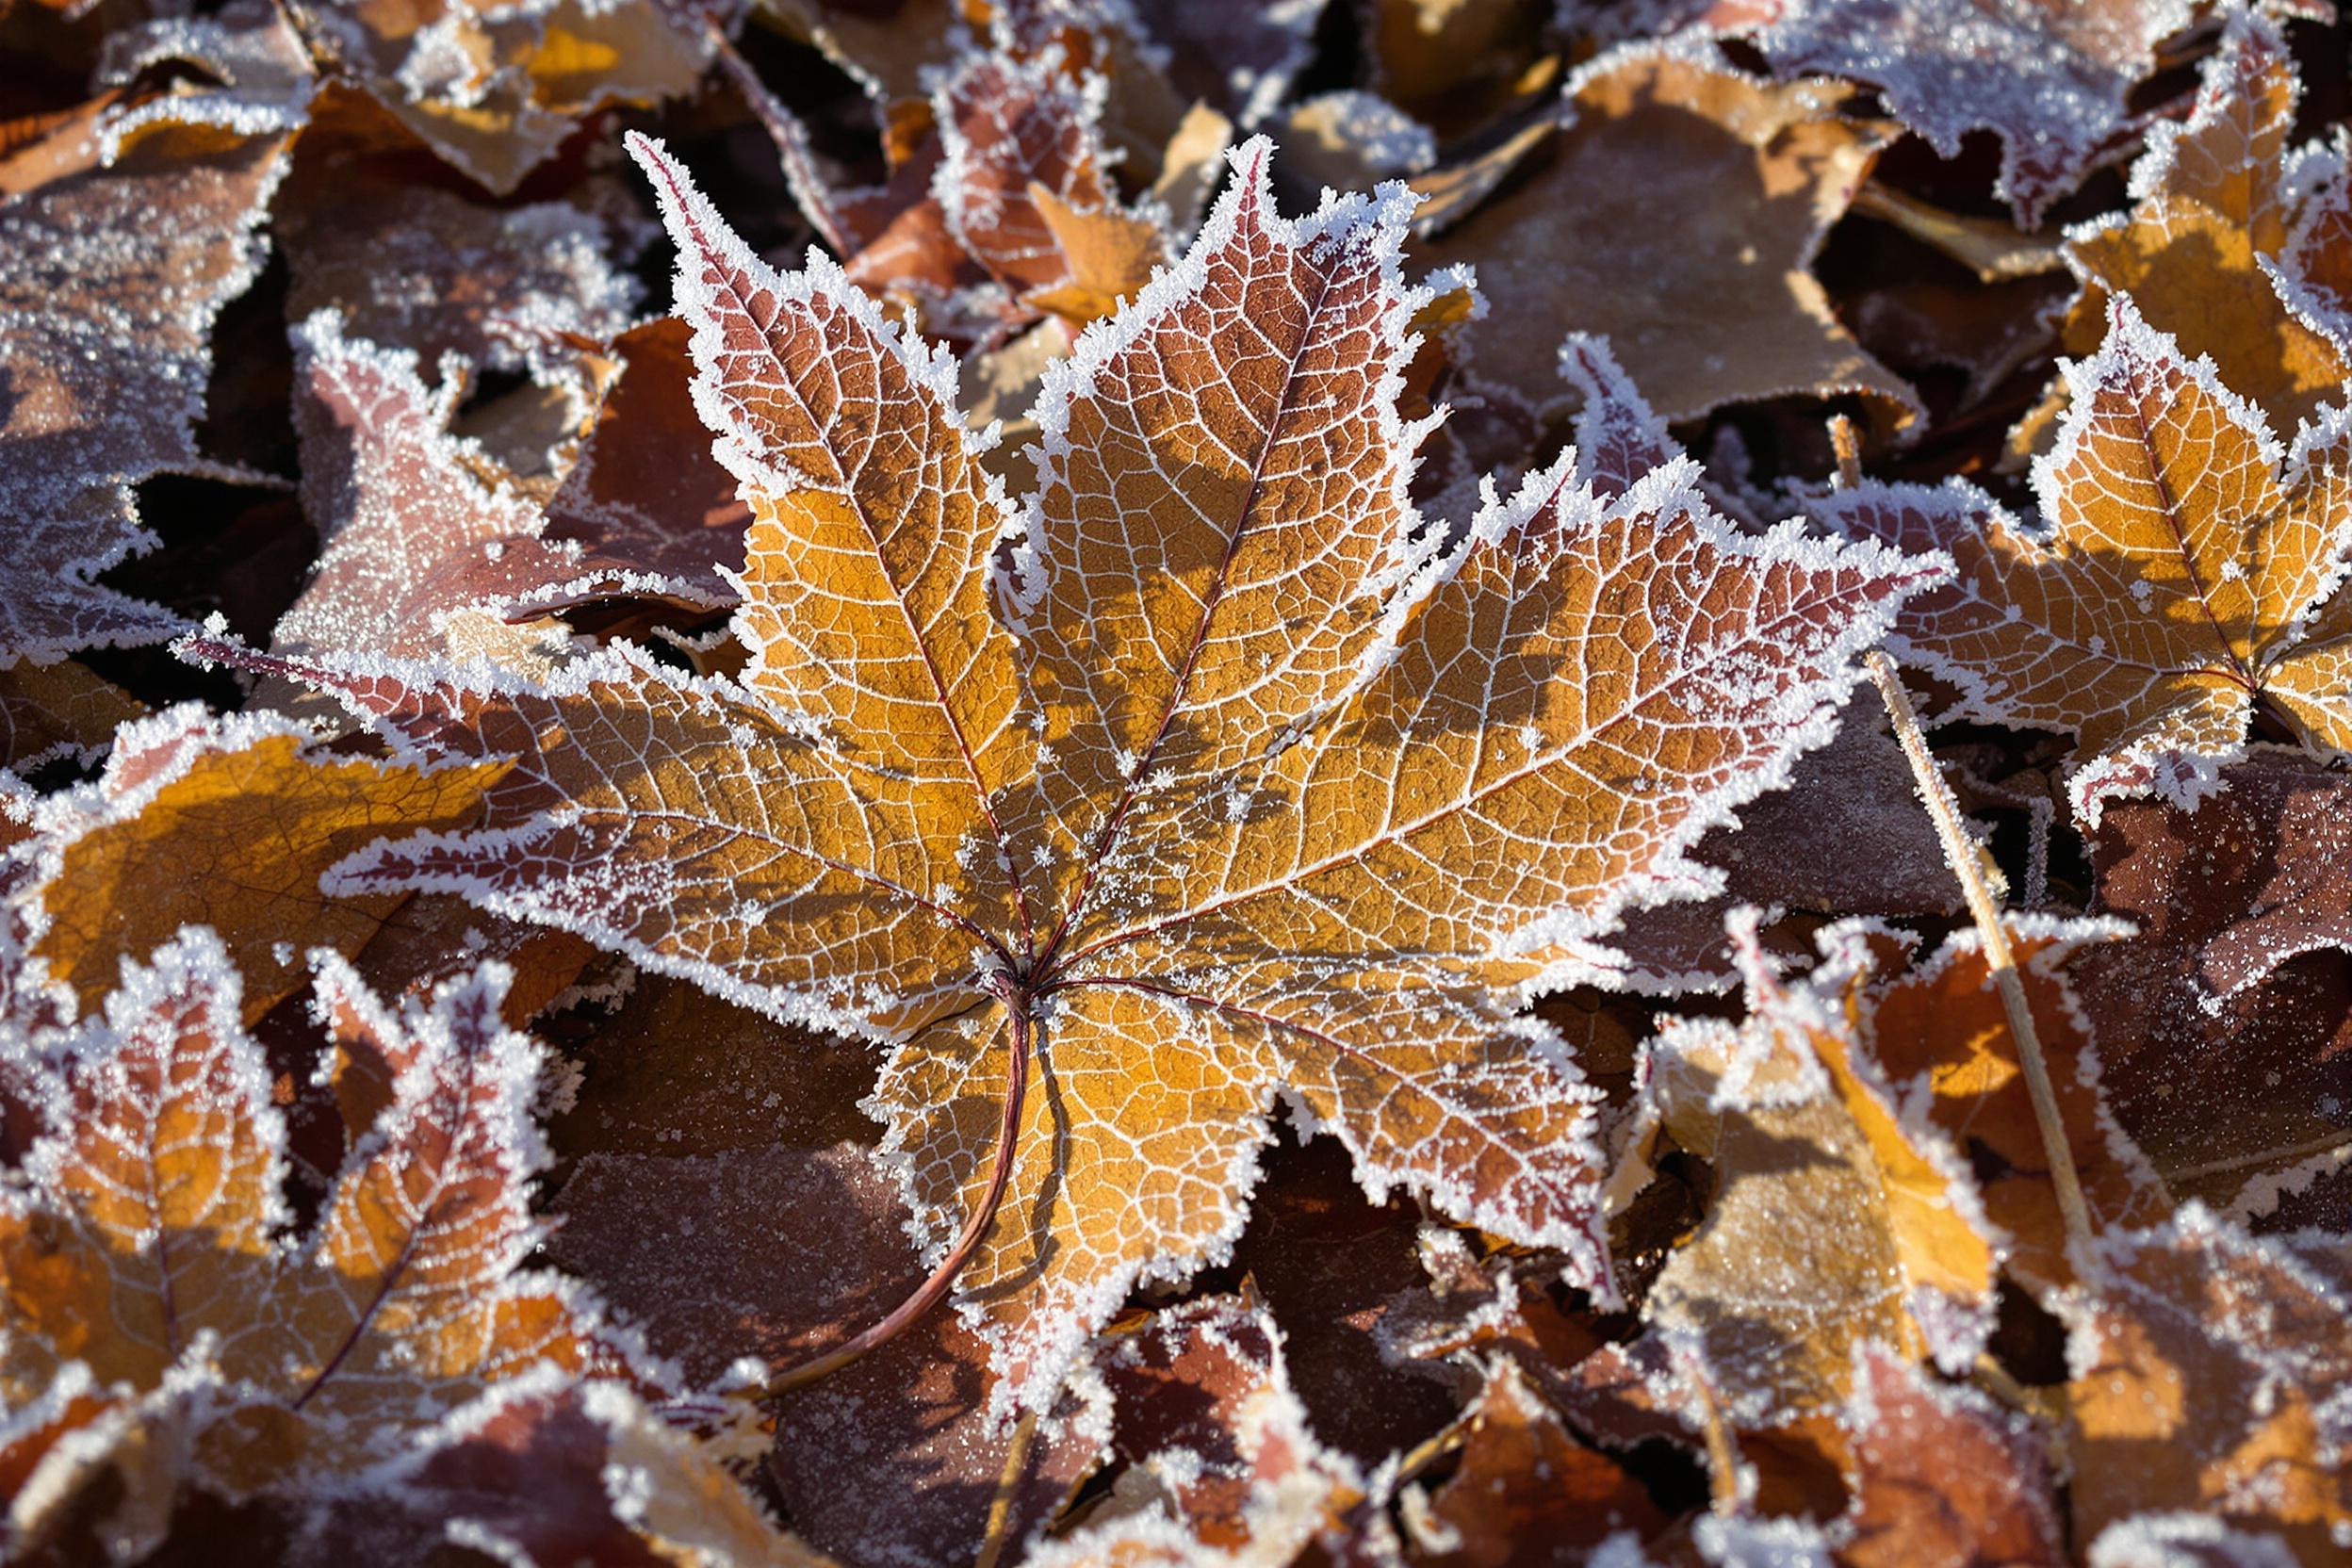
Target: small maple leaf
1214, 780
2186, 572
143, 1244
2202, 249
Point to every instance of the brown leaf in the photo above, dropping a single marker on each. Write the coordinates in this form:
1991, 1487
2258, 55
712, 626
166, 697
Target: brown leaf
1526, 1491
143, 1247
1943, 1477
1682, 198
2225, 1020
2049, 77
1214, 1440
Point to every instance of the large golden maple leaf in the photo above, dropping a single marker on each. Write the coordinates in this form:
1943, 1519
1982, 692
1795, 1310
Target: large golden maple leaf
1212, 777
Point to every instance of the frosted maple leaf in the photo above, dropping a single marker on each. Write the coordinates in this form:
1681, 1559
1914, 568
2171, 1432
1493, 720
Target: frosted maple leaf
1210, 779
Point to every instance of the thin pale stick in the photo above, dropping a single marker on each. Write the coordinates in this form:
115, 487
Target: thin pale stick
942, 1278
2267, 1156
1962, 855
1000, 1526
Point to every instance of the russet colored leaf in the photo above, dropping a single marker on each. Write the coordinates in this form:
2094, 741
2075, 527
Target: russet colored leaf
2224, 1018
1943, 1477
1215, 779
2187, 570
1684, 197
2206, 1377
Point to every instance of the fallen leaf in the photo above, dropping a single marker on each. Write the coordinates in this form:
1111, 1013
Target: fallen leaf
2198, 252
1943, 1477
226, 822
2225, 1020
143, 1243
1217, 1449
414, 267
1944, 1054
493, 91
1526, 1491
2183, 572
1833, 1225
407, 513
110, 280
53, 711
1682, 198
1026, 817
2049, 77
2208, 1373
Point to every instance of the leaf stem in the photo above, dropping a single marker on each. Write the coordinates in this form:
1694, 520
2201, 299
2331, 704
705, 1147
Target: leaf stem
942, 1278
1965, 859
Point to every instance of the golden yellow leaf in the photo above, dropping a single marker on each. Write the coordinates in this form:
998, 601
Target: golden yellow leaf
226, 822
1215, 782
2199, 252
2185, 572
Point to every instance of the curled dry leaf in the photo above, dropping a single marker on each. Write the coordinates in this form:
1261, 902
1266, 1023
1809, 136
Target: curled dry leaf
1021, 195
110, 280
226, 822
2187, 570
493, 91
1678, 214
1131, 808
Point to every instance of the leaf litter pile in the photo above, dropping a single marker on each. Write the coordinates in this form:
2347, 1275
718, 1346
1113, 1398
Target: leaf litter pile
1406, 782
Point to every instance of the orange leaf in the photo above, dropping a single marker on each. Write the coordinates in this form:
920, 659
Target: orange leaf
2185, 565
1218, 781
226, 822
